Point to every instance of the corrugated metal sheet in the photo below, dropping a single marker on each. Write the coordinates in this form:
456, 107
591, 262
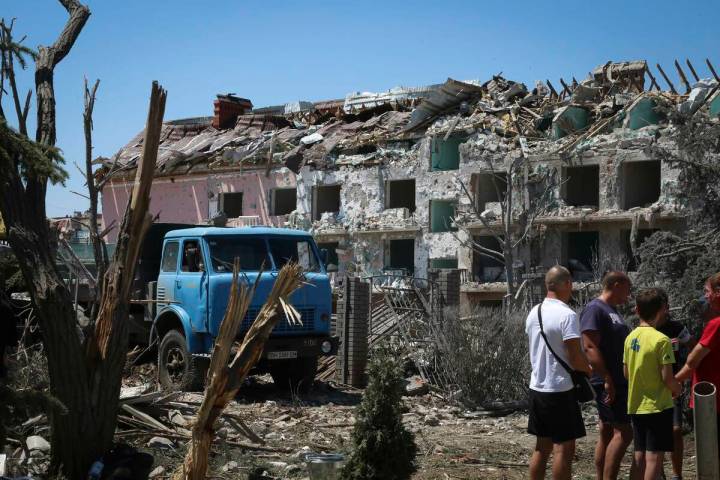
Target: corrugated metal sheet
449, 95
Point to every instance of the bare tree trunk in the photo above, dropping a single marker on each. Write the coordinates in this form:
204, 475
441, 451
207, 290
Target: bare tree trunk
97, 242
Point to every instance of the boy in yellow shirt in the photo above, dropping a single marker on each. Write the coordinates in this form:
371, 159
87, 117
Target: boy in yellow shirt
648, 359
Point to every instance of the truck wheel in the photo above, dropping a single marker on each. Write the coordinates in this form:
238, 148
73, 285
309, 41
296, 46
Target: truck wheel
177, 369
295, 375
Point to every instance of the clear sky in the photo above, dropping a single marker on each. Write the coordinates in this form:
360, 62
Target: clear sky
273, 52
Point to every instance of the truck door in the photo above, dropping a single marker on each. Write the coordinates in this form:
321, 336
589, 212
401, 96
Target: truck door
168, 271
191, 284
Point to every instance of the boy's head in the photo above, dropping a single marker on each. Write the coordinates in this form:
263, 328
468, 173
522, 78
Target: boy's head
665, 311
650, 305
712, 291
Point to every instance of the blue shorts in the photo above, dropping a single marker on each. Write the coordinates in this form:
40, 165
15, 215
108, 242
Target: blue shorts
615, 413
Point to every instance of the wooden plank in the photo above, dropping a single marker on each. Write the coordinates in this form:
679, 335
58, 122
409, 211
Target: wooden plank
683, 78
667, 80
692, 69
144, 418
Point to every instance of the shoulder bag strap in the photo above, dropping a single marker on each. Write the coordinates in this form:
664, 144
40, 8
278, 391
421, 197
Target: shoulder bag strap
542, 332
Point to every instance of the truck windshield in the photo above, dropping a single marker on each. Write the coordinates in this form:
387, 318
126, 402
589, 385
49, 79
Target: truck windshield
251, 251
297, 250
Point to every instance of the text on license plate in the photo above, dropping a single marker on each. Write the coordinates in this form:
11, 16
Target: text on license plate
282, 355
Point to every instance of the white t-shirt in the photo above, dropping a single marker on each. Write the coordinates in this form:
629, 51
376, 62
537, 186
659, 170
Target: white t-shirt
560, 323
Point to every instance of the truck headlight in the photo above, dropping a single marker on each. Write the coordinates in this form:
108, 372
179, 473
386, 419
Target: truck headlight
326, 347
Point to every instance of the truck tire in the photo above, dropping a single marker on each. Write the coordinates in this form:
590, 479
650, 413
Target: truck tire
178, 370
294, 375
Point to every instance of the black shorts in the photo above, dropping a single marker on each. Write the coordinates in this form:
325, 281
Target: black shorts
653, 431
556, 416
615, 413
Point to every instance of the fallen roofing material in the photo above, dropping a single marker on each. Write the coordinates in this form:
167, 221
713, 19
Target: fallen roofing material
450, 94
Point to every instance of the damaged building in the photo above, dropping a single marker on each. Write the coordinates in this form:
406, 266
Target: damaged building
380, 178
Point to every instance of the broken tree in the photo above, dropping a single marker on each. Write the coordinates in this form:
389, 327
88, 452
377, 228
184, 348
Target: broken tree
84, 374
225, 380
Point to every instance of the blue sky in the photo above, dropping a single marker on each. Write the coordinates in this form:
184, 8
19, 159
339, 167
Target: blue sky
278, 51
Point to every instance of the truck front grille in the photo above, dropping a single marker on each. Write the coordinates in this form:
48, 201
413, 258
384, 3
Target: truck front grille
307, 315
160, 295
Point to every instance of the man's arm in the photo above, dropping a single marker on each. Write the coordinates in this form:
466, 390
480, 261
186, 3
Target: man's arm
577, 358
693, 361
669, 380
591, 341
625, 371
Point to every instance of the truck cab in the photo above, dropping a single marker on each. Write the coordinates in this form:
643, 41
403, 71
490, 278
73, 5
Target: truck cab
192, 291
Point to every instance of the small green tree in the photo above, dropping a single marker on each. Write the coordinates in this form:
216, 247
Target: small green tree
382, 448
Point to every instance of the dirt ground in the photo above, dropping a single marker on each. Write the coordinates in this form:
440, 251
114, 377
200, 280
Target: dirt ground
452, 444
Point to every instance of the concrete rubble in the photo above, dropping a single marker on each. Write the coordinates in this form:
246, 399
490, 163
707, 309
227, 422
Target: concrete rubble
376, 177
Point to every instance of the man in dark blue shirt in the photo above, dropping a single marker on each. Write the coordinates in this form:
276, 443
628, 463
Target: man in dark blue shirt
604, 332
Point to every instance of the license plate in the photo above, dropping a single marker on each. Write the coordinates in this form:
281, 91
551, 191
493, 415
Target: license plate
282, 355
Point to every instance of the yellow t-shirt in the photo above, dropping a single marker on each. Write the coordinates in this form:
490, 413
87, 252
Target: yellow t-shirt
646, 351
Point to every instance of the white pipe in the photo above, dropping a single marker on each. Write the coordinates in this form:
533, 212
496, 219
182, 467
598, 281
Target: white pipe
706, 434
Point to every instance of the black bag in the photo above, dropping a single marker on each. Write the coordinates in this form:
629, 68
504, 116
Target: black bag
584, 392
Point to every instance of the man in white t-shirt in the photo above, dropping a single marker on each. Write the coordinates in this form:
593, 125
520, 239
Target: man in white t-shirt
555, 417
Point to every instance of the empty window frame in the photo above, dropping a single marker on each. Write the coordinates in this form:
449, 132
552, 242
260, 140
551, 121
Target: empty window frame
581, 250
442, 213
231, 203
581, 186
400, 194
400, 255
445, 154
641, 183
487, 268
489, 187
326, 198
283, 201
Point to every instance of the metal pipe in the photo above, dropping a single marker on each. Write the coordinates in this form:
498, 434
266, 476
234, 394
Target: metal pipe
706, 434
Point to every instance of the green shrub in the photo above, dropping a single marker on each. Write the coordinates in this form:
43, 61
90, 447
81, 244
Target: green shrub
382, 448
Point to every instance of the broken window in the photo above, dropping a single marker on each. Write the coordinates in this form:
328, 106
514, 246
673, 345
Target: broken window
489, 187
442, 213
487, 268
231, 203
400, 194
641, 183
283, 201
581, 186
444, 263
401, 255
332, 255
326, 198
445, 153
581, 250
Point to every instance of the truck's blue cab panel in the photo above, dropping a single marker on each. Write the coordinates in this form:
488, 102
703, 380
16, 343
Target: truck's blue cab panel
195, 277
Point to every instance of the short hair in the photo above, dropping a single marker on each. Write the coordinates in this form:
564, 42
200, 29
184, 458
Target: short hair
613, 277
714, 281
557, 276
649, 302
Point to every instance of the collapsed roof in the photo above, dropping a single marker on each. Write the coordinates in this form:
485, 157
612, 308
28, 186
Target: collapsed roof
368, 128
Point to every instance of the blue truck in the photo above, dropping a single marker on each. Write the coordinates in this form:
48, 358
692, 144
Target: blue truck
181, 290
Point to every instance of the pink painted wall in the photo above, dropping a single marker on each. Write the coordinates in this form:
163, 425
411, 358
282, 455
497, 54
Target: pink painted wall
187, 199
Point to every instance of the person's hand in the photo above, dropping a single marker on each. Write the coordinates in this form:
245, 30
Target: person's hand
609, 390
676, 389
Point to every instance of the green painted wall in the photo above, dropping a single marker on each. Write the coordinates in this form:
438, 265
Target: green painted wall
443, 263
441, 214
571, 119
643, 114
446, 153
715, 106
